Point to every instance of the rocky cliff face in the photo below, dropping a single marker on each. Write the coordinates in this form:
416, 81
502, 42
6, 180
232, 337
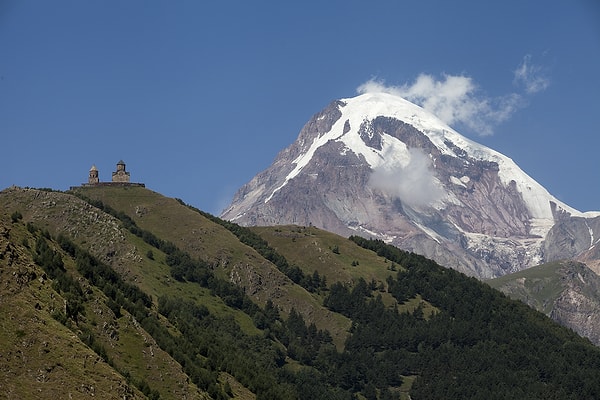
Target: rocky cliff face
379, 166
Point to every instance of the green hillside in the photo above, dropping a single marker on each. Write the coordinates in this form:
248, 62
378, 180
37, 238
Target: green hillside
337, 260
538, 286
212, 243
120, 292
93, 354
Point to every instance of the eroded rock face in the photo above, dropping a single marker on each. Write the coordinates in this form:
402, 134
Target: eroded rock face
580, 313
572, 237
362, 167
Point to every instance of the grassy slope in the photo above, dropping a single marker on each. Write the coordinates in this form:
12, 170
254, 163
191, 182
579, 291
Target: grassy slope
39, 357
202, 238
312, 249
131, 349
103, 236
336, 258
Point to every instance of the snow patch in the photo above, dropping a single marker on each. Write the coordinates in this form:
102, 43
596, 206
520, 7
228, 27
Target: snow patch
385, 237
430, 232
457, 181
591, 234
540, 226
303, 159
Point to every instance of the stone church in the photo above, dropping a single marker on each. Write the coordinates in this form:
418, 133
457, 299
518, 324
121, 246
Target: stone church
120, 177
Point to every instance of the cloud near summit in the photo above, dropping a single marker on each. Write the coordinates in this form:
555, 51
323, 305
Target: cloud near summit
413, 181
453, 99
457, 100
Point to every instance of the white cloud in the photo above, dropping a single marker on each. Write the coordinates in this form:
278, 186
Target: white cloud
412, 182
531, 76
455, 99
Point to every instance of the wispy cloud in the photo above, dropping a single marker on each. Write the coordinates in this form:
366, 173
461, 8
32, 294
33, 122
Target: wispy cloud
413, 182
457, 99
531, 76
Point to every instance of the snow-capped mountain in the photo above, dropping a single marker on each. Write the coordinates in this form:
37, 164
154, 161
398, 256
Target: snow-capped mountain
379, 166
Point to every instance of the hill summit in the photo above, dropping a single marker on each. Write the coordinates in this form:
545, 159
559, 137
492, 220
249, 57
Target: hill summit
379, 166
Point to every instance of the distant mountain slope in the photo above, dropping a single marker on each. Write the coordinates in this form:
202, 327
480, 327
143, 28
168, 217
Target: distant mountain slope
567, 291
378, 166
155, 299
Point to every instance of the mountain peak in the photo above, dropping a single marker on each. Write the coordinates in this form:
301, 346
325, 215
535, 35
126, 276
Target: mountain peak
379, 165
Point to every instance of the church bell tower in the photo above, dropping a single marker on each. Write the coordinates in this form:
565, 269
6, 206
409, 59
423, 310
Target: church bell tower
93, 177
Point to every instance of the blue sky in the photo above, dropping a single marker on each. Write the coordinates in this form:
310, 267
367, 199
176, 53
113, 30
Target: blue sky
197, 97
